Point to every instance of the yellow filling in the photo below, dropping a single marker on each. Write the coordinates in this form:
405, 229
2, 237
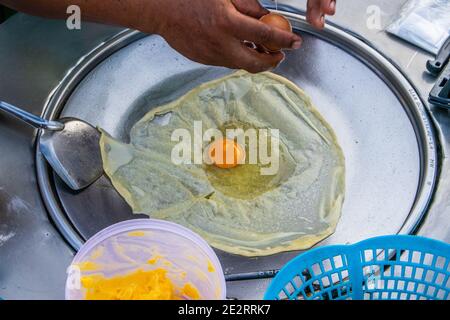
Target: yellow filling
88, 266
139, 285
211, 267
190, 291
154, 260
136, 234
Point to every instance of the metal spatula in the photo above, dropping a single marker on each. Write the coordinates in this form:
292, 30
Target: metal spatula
70, 146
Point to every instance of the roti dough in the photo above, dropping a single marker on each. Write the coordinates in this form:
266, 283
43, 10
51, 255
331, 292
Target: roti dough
236, 210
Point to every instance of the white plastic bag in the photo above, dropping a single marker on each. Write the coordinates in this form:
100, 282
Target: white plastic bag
424, 23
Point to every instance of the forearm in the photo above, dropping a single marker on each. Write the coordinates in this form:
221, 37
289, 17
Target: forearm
115, 12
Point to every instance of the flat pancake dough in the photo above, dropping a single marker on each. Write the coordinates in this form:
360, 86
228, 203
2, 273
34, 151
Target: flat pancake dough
304, 206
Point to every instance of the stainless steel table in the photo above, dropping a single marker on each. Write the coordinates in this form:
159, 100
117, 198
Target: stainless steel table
35, 54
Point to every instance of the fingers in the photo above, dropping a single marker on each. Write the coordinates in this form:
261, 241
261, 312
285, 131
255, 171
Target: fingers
317, 9
250, 8
254, 61
328, 7
247, 28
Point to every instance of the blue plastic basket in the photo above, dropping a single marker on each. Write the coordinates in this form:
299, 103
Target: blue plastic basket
382, 268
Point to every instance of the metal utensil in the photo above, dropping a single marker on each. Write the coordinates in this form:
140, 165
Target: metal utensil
70, 146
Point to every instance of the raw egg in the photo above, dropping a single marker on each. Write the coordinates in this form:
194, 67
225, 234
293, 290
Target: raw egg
276, 21
226, 153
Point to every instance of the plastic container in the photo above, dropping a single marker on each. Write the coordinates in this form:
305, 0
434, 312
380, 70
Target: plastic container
382, 268
148, 244
424, 23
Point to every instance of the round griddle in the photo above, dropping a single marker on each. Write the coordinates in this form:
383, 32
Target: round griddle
379, 120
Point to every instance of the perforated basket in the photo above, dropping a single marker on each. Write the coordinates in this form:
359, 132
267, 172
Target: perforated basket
382, 268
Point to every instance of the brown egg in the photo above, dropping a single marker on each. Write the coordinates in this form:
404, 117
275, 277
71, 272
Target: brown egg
277, 21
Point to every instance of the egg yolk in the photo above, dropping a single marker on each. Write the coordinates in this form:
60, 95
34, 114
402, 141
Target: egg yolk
226, 153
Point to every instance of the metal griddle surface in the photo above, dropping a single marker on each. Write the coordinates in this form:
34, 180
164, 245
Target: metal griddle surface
386, 161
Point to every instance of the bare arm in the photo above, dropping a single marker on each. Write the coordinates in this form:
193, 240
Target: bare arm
206, 31
115, 12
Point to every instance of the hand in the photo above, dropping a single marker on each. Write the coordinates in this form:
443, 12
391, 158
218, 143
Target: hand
212, 32
317, 9
206, 31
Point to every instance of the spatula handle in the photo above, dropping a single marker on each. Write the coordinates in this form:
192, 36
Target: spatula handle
30, 118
